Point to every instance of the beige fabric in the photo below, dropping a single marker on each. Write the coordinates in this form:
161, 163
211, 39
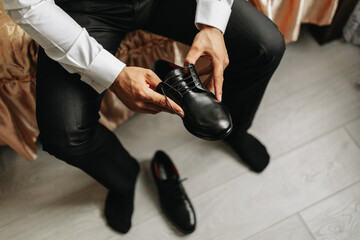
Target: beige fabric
18, 127
289, 14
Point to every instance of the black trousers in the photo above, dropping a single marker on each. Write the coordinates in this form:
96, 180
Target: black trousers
67, 108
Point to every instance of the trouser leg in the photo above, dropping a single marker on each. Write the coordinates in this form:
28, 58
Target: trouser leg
254, 44
67, 116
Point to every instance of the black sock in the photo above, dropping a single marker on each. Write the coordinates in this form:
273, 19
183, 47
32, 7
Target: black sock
251, 151
119, 209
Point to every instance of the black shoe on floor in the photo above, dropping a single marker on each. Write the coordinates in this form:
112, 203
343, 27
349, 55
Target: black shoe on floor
173, 198
205, 117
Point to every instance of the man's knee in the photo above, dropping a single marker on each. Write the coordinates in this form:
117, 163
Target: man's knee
67, 145
272, 45
251, 37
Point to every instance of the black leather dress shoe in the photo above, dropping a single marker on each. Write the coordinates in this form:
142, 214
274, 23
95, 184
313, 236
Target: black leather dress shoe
205, 117
173, 198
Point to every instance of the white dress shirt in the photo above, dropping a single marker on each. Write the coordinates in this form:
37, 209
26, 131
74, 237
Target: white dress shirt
66, 42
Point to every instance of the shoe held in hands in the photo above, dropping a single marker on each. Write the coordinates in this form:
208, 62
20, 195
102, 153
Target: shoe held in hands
205, 117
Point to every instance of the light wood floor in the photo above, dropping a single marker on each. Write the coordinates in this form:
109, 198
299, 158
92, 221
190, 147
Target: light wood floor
310, 122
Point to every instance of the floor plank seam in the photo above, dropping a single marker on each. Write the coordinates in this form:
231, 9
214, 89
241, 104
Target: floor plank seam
350, 121
10, 223
329, 196
40, 210
309, 141
269, 227
305, 225
314, 84
350, 135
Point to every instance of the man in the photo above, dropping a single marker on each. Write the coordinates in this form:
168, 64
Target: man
83, 35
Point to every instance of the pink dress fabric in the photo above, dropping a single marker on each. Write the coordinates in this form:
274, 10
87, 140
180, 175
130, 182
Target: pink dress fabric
290, 14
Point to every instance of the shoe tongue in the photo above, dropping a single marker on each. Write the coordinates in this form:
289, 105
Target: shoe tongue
171, 179
174, 76
174, 177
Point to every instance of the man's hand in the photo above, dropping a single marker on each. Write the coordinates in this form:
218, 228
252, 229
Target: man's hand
133, 87
209, 42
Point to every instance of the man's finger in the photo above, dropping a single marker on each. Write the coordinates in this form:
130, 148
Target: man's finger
161, 101
152, 107
152, 79
218, 79
210, 84
192, 56
146, 110
158, 108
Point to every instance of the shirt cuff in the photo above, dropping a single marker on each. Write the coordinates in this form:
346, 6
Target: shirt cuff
102, 71
212, 13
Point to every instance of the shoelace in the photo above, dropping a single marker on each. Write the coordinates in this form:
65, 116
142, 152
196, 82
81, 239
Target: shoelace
175, 190
179, 88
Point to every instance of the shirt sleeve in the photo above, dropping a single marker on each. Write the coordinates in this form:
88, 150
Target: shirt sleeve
215, 13
65, 41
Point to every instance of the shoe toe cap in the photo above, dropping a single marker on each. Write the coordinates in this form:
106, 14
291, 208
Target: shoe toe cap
205, 117
218, 126
223, 125
183, 217
186, 225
